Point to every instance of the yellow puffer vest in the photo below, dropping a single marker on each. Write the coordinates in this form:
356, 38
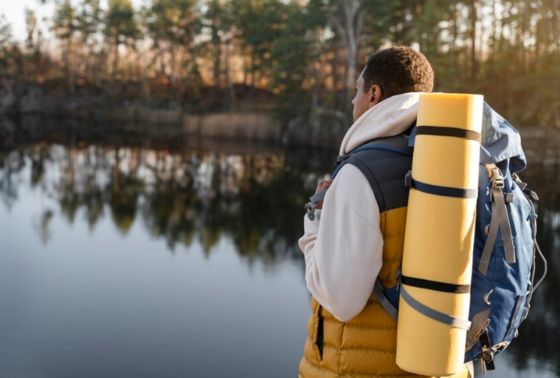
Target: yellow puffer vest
365, 346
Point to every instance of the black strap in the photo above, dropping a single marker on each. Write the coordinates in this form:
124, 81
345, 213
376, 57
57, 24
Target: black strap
341, 158
431, 313
449, 131
319, 196
442, 190
384, 301
487, 352
435, 285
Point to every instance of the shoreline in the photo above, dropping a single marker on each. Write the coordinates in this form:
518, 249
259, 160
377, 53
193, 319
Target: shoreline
249, 120
253, 122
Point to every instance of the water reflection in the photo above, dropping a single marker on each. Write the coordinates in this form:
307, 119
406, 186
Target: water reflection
178, 192
186, 190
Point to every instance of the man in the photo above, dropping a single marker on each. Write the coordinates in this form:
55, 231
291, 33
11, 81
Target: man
357, 234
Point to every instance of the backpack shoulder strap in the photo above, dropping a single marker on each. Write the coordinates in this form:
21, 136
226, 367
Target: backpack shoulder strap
363, 158
384, 301
397, 144
384, 163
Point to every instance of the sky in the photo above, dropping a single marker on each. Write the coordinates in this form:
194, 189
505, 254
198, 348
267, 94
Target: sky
14, 11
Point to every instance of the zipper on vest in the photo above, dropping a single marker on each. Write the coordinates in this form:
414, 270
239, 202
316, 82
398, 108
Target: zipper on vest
320, 336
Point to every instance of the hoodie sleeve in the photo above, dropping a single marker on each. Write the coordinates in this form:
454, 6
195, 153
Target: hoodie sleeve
343, 246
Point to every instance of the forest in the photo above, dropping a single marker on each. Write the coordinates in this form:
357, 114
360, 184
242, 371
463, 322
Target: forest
287, 57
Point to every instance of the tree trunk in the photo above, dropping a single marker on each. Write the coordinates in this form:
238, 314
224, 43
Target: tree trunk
350, 31
334, 73
71, 74
455, 54
494, 30
350, 81
315, 96
115, 52
231, 89
473, 18
252, 87
344, 107
217, 63
172, 69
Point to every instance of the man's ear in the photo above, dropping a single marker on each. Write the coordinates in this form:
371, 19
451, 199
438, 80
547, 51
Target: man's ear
374, 95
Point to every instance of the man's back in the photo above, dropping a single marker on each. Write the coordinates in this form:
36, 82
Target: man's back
358, 236
366, 344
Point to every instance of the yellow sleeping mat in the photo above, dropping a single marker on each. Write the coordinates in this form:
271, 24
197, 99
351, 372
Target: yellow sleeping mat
437, 260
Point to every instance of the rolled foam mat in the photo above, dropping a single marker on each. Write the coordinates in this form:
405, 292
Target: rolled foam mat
437, 259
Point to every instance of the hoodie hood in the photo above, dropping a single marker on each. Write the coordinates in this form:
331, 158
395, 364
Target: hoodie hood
390, 117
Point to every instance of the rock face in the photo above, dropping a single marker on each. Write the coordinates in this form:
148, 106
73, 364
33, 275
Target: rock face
7, 101
30, 98
25, 98
17, 99
323, 127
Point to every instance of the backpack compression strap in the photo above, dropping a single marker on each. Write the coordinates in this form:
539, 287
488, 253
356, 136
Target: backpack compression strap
499, 220
439, 190
444, 190
452, 321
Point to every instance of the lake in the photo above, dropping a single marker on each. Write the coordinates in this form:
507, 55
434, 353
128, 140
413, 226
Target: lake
139, 252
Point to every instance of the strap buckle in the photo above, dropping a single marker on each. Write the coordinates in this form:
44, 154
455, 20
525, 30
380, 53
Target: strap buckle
522, 185
310, 208
531, 194
408, 179
487, 360
495, 175
497, 178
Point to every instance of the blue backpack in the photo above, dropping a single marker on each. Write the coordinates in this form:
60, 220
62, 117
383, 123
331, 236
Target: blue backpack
505, 246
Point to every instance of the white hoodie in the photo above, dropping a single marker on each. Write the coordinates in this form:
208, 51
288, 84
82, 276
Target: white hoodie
343, 246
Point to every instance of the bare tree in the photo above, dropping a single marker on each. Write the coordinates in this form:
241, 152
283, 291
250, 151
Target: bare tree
348, 18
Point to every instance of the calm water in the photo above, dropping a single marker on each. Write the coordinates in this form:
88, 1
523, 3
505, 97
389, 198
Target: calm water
147, 254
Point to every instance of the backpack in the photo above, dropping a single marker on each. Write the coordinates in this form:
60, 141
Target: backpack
505, 245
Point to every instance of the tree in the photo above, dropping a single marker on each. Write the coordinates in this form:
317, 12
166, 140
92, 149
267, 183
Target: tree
173, 25
64, 26
218, 25
33, 45
296, 53
120, 28
31, 28
6, 50
258, 25
89, 20
348, 17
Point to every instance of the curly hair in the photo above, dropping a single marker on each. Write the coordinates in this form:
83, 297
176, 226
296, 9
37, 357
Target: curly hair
398, 70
